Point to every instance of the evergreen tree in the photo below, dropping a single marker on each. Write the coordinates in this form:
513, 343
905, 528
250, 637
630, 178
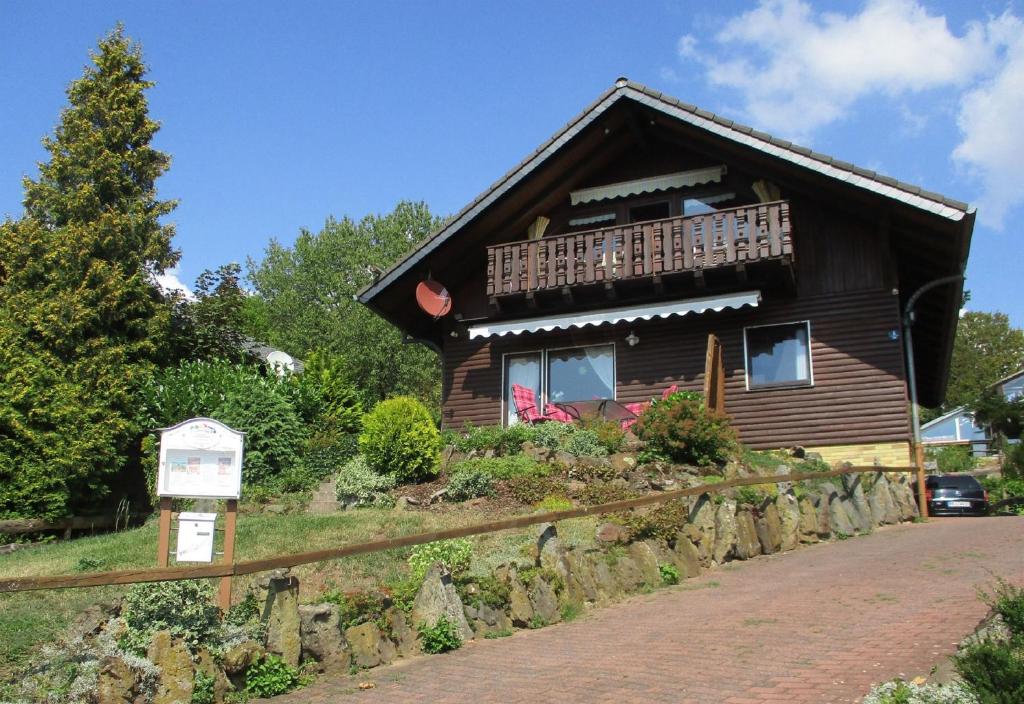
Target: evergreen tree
82, 322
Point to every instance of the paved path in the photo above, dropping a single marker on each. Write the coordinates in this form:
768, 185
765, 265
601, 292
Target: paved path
819, 624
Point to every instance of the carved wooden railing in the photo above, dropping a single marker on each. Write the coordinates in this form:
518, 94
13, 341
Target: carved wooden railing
731, 237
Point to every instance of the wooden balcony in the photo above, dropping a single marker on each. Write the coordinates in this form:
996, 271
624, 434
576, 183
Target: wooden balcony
735, 238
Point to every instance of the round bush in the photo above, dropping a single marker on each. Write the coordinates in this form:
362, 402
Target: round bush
470, 484
682, 430
400, 439
184, 608
357, 483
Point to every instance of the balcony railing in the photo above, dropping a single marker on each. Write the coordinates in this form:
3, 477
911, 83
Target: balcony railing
732, 237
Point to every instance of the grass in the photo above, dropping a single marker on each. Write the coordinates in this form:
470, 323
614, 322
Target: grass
30, 618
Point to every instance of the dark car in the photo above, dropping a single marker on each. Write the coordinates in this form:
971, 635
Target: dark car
955, 495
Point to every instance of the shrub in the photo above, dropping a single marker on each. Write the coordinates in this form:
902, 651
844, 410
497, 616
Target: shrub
236, 395
202, 689
504, 441
357, 483
552, 435
748, 495
441, 637
662, 522
995, 671
683, 430
399, 439
324, 453
357, 608
953, 458
323, 397
270, 677
454, 554
1008, 601
470, 484
669, 573
185, 608
609, 434
584, 442
1013, 462
502, 467
530, 490
489, 591
553, 503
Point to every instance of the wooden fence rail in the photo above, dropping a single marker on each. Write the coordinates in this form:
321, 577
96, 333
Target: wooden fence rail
168, 574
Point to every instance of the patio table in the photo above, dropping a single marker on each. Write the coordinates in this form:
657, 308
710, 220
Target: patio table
606, 408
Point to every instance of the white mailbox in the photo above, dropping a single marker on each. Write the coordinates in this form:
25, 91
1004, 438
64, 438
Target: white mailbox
195, 536
200, 458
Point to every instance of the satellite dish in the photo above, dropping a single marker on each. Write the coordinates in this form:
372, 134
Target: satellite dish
280, 362
433, 298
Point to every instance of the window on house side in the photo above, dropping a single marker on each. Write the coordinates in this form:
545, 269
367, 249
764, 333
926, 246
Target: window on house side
581, 374
778, 355
652, 211
524, 370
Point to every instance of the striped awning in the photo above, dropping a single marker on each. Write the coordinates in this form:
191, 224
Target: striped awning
680, 179
618, 315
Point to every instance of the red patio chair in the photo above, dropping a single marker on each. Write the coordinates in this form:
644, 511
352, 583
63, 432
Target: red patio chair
640, 406
525, 400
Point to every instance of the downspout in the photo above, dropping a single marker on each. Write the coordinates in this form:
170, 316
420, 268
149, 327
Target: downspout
908, 341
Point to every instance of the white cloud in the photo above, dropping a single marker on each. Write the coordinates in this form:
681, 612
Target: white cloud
169, 281
992, 148
797, 70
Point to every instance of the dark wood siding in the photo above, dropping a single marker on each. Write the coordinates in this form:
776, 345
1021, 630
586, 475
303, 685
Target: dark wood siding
858, 394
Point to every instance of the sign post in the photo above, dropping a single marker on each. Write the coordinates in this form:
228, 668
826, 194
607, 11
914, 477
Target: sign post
200, 458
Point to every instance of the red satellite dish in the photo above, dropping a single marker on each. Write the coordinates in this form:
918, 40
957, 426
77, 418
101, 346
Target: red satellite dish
433, 298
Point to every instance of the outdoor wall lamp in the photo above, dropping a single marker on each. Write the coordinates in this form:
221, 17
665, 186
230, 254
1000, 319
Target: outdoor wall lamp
632, 339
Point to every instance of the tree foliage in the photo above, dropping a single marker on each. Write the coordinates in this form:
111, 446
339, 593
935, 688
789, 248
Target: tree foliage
306, 302
81, 320
211, 325
987, 348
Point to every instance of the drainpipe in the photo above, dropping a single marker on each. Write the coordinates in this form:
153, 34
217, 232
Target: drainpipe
908, 340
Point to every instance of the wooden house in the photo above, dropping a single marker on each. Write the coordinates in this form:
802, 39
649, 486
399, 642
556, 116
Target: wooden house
599, 265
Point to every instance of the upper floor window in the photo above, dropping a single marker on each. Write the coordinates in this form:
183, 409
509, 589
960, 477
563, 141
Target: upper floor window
649, 211
701, 205
778, 355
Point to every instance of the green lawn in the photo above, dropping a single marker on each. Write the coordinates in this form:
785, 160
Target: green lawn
31, 618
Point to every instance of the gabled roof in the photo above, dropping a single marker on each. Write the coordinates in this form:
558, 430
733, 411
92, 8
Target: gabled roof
908, 194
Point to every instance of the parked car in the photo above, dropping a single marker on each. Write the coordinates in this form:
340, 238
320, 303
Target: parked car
955, 495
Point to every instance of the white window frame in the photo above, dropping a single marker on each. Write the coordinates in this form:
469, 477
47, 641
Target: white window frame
542, 402
785, 385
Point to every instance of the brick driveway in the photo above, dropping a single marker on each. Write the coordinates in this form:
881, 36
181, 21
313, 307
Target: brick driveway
820, 624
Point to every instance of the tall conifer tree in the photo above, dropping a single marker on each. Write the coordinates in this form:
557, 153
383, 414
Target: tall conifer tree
82, 322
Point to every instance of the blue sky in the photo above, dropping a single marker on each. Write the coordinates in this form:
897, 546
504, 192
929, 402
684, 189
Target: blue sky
278, 115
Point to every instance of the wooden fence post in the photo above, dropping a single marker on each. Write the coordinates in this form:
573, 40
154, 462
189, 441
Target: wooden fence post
163, 543
230, 514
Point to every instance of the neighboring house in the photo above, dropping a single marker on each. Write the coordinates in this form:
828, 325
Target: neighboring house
598, 266
274, 359
958, 427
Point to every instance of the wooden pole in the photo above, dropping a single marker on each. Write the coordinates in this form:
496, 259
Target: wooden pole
230, 514
163, 543
922, 499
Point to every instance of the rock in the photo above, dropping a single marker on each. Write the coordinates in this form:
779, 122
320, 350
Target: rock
663, 484
813, 457
436, 598
608, 585
274, 508
406, 503
437, 495
807, 529
823, 513
687, 557
320, 632
860, 513
725, 531
700, 528
769, 529
839, 519
239, 657
622, 462
206, 664
544, 602
486, 619
281, 612
646, 560
781, 471
609, 533
631, 443
883, 507
520, 606
174, 684
581, 585
536, 453
575, 487
402, 633
564, 458
747, 544
91, 621
117, 684
789, 518
798, 452
638, 482
628, 574
903, 496
368, 646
